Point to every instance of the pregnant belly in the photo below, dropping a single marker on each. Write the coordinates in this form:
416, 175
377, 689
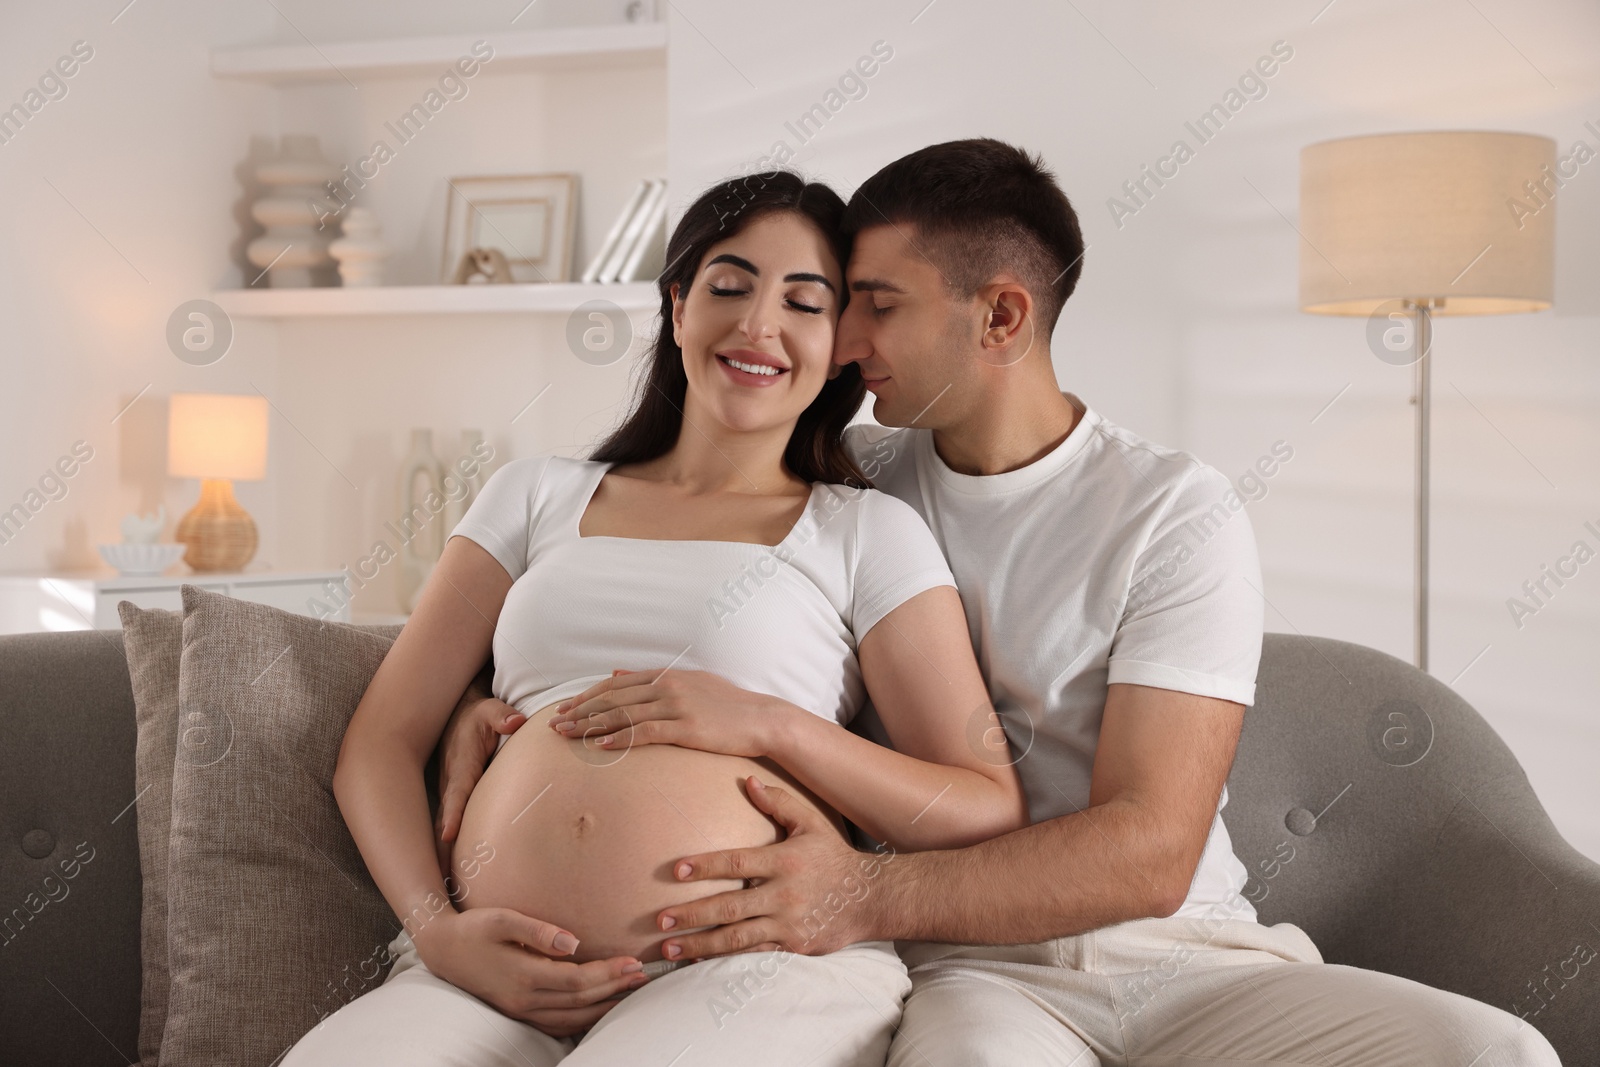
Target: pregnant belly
586, 838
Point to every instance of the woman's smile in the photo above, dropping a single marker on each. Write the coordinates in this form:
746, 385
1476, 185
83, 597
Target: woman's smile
749, 367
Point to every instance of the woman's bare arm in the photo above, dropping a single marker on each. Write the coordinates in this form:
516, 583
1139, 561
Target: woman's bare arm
378, 779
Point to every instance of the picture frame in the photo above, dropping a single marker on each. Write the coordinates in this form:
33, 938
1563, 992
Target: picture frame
528, 218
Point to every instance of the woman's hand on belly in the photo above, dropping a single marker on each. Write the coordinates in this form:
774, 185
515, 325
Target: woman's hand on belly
585, 837
691, 709
501, 957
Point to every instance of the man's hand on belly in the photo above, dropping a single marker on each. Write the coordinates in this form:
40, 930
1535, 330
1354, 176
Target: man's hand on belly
469, 741
813, 893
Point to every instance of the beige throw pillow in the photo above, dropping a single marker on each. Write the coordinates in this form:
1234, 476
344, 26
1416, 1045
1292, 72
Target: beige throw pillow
272, 917
152, 640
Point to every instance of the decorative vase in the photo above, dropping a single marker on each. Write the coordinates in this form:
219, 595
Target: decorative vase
220, 534
456, 510
421, 523
360, 252
292, 210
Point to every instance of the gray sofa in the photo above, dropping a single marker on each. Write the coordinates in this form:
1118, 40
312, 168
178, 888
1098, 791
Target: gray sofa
1374, 808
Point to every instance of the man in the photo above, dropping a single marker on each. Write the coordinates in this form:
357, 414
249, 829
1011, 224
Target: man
1113, 597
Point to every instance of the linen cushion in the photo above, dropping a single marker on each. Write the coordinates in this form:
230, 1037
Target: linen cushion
273, 920
152, 640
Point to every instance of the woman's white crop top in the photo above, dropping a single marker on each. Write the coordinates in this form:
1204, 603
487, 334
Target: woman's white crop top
784, 619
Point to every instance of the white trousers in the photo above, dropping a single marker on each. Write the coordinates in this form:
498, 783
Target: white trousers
777, 1008
1196, 993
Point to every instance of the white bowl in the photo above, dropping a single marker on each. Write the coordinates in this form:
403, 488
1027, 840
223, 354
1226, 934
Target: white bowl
141, 560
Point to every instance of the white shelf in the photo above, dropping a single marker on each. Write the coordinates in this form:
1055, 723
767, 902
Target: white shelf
553, 49
431, 299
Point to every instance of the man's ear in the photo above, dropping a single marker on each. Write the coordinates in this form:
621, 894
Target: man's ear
677, 315
1008, 331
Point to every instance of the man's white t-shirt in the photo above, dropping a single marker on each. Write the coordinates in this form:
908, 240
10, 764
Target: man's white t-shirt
1108, 560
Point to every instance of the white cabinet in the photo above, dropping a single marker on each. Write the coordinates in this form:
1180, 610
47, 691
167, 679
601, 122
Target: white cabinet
31, 603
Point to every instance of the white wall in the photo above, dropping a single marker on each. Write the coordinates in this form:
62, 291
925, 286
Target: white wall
118, 207
739, 84
1184, 326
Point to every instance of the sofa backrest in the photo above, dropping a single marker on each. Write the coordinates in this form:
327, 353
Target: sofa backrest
69, 944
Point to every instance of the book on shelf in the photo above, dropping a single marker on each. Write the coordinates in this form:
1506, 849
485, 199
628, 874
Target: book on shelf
634, 233
591, 273
652, 240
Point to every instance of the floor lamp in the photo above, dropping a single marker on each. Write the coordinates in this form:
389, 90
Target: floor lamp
1402, 227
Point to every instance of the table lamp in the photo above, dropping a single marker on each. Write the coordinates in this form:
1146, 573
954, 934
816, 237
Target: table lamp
1401, 227
217, 439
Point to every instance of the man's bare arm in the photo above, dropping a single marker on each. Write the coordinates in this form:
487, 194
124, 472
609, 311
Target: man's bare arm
1160, 765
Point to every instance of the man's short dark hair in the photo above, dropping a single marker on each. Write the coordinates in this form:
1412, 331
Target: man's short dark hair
980, 207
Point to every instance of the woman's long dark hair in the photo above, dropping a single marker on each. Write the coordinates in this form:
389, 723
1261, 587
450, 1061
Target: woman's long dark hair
816, 449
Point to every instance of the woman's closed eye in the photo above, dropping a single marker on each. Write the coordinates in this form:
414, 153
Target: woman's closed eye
798, 305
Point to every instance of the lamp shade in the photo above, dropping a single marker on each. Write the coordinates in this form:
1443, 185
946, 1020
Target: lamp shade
1462, 218
211, 436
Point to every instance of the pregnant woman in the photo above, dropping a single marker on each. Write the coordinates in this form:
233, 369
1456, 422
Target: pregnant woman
722, 532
